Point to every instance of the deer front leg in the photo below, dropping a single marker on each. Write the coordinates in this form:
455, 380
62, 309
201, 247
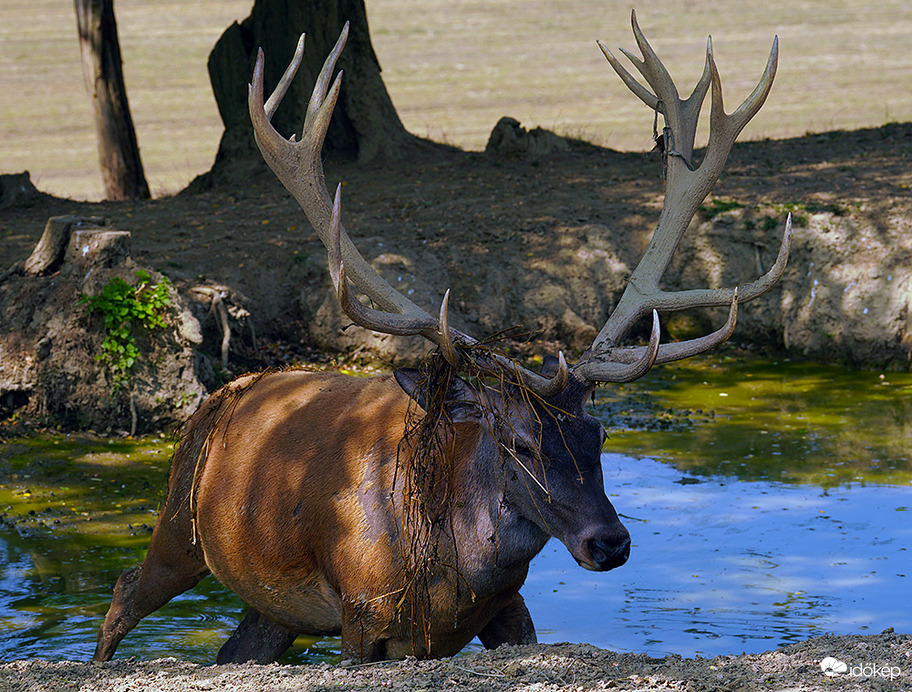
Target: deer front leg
172, 565
512, 625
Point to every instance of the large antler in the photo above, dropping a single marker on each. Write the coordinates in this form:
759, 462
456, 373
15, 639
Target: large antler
299, 166
685, 189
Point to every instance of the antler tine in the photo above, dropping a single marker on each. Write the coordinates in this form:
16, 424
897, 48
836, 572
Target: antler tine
642, 92
760, 286
685, 189
650, 66
668, 353
691, 347
321, 86
443, 330
402, 324
716, 297
621, 365
276, 97
725, 128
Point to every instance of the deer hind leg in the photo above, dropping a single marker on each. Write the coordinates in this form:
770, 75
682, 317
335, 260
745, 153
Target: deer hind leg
256, 639
173, 565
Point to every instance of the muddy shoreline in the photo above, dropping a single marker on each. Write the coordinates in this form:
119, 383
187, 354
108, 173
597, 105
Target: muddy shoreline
872, 662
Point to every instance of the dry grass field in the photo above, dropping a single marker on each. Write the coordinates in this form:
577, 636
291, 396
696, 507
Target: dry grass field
453, 69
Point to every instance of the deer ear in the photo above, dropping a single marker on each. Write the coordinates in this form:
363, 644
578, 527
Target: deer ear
408, 379
550, 365
460, 402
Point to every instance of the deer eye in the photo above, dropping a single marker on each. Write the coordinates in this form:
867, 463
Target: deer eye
523, 451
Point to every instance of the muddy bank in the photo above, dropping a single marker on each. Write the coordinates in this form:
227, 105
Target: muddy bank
545, 241
874, 662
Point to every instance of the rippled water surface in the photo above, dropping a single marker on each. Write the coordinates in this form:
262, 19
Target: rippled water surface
767, 503
720, 565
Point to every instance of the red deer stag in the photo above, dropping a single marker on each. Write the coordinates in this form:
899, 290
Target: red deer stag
399, 513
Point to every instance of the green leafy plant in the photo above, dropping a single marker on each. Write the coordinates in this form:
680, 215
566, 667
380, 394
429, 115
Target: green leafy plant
771, 223
126, 308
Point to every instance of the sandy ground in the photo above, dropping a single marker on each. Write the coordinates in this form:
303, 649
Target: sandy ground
874, 662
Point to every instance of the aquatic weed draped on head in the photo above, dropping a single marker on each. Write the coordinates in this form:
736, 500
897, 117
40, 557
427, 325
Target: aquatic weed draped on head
425, 469
434, 447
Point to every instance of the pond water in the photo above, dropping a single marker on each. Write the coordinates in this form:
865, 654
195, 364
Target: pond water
767, 502
725, 566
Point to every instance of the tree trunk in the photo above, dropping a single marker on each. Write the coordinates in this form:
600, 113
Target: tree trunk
365, 125
118, 150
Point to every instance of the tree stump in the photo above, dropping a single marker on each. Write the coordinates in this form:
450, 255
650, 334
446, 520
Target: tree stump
48, 254
365, 124
16, 190
97, 248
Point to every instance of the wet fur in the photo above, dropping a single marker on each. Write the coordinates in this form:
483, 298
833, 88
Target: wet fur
285, 487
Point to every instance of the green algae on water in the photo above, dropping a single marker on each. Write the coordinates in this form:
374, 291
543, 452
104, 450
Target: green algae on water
770, 420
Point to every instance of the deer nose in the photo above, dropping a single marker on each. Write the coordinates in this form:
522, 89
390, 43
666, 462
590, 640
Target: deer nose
608, 554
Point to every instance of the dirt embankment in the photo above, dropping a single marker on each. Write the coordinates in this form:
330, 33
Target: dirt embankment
875, 662
546, 241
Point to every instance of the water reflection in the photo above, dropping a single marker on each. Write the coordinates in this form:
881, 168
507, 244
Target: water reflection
771, 502
725, 566
767, 420
45, 614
